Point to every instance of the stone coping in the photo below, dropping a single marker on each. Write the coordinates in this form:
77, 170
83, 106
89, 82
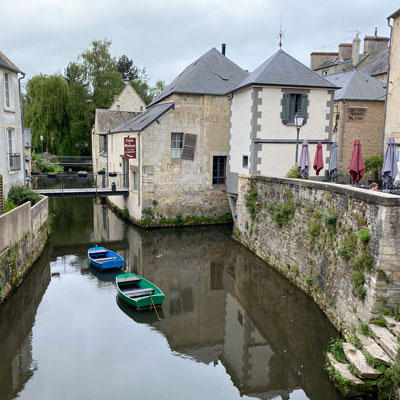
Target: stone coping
379, 198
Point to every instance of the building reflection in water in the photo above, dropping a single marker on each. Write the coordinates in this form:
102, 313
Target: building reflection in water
17, 317
224, 305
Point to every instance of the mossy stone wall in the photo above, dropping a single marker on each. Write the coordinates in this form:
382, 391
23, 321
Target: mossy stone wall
337, 242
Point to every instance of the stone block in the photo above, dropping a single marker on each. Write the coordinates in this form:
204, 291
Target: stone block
357, 359
389, 250
373, 348
385, 339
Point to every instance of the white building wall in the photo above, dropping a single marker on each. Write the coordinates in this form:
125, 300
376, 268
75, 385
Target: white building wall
10, 118
128, 100
240, 141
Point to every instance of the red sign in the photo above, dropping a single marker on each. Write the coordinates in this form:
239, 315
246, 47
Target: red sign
129, 147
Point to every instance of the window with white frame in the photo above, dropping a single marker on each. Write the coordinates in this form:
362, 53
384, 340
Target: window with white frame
7, 93
176, 145
13, 157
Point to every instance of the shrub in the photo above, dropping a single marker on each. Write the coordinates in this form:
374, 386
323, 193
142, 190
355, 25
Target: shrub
8, 206
148, 211
349, 246
19, 194
364, 262
357, 281
373, 166
281, 213
336, 348
294, 172
250, 201
364, 235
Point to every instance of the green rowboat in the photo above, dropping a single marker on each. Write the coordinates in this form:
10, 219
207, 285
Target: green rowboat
138, 292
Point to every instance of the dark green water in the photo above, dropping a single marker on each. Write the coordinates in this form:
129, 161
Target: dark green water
231, 326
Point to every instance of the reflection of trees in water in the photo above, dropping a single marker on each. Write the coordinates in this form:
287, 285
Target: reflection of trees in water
72, 222
17, 316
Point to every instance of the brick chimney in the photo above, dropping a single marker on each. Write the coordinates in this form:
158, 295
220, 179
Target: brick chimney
345, 51
375, 43
318, 58
355, 53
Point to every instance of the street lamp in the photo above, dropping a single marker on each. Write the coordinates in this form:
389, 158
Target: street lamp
298, 122
41, 141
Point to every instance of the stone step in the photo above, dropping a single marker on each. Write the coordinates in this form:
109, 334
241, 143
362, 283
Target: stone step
357, 359
370, 346
385, 339
392, 324
357, 386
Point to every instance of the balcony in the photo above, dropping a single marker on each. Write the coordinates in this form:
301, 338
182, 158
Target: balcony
15, 161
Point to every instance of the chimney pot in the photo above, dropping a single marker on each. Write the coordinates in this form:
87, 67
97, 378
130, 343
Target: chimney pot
223, 51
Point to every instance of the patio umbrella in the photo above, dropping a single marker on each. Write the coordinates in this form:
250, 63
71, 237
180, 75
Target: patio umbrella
390, 170
333, 166
304, 163
318, 159
357, 167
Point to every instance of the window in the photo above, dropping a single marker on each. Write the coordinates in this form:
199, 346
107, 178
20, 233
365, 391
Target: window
293, 103
14, 158
176, 145
103, 143
141, 108
219, 170
7, 90
325, 72
245, 161
118, 107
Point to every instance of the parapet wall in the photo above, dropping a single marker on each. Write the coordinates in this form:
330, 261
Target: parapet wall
23, 234
337, 242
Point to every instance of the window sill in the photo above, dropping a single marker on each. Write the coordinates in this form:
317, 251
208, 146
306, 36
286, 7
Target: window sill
10, 110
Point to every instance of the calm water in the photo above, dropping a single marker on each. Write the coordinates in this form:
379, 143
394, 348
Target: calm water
231, 326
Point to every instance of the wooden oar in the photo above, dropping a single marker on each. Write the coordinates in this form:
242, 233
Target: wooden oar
155, 308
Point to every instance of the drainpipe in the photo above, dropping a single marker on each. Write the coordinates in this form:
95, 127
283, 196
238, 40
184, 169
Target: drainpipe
342, 136
139, 175
387, 87
22, 125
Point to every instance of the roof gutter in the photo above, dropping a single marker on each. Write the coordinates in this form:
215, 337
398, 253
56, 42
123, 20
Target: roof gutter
387, 86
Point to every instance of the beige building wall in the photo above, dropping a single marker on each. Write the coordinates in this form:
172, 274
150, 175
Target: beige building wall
392, 124
171, 186
362, 119
128, 100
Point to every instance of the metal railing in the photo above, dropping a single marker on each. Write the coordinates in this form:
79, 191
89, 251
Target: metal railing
15, 161
75, 180
78, 160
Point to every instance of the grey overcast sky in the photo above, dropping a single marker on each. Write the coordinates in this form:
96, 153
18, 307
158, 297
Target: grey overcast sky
43, 36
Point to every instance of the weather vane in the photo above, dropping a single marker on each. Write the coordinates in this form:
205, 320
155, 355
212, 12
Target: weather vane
281, 34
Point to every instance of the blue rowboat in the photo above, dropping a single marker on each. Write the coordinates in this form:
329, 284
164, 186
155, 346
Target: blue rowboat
104, 259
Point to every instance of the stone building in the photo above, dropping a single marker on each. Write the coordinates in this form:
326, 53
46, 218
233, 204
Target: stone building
11, 134
262, 133
126, 105
373, 60
358, 112
392, 122
179, 169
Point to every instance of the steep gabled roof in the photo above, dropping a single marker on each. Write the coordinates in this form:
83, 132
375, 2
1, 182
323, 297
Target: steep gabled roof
281, 69
145, 119
109, 119
7, 64
212, 73
375, 63
357, 85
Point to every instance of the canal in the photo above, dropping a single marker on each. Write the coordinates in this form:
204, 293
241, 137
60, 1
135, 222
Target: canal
231, 327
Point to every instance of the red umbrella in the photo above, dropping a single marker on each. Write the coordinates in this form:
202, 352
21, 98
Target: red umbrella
318, 160
357, 167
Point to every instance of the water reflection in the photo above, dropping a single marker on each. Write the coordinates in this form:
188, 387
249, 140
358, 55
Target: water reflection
225, 305
17, 316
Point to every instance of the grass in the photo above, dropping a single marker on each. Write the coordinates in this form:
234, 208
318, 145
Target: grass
364, 235
336, 348
363, 328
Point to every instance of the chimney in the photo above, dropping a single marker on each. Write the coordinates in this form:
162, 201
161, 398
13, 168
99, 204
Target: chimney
355, 53
375, 43
223, 49
318, 58
345, 51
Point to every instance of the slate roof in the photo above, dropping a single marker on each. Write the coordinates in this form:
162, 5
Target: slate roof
109, 119
7, 64
357, 85
145, 119
281, 69
375, 63
212, 73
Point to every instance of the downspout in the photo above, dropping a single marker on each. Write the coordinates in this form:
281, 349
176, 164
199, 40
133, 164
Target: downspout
139, 174
22, 124
387, 88
342, 136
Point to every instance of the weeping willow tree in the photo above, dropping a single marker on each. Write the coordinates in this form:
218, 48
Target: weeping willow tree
46, 105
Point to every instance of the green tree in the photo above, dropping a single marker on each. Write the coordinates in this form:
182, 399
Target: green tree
46, 111
103, 77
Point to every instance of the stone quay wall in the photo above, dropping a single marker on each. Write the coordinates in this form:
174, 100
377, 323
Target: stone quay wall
23, 234
338, 243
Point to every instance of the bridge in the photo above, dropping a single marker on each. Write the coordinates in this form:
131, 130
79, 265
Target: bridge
73, 184
71, 161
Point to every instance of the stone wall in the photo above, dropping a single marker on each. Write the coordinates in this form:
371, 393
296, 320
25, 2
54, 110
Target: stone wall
23, 235
338, 243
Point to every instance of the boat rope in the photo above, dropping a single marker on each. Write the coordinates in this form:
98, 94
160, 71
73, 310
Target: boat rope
155, 308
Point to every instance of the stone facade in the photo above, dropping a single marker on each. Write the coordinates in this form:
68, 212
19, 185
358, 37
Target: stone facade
338, 243
167, 187
22, 238
362, 119
128, 100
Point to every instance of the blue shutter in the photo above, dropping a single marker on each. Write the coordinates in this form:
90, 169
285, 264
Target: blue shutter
285, 107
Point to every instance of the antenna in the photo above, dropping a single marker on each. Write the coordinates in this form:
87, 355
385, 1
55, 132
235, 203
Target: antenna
281, 34
323, 47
